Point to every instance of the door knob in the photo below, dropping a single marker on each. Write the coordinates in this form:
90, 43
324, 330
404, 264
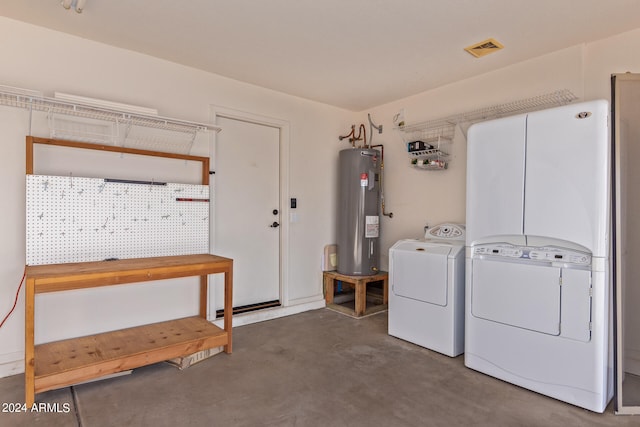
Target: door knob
274, 225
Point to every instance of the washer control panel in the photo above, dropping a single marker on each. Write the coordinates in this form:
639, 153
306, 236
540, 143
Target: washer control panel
550, 254
446, 231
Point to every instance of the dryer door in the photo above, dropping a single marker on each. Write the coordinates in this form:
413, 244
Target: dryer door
419, 272
517, 294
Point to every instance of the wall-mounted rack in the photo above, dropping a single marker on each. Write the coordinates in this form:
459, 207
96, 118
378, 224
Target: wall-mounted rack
433, 155
107, 126
444, 127
439, 133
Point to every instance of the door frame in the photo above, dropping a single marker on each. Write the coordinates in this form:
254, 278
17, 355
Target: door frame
284, 128
618, 248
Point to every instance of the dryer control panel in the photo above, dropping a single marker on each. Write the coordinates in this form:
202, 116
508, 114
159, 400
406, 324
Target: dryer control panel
549, 254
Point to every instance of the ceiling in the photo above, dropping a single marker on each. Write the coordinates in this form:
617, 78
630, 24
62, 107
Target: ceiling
353, 54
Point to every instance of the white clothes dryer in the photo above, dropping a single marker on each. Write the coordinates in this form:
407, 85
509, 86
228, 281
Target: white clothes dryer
426, 298
538, 294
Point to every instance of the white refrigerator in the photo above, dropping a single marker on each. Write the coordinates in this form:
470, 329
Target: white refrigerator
537, 288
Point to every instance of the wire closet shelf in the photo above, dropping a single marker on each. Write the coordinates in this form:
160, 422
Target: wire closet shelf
444, 128
103, 125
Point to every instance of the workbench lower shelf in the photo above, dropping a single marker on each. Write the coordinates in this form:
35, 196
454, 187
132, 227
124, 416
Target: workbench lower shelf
67, 362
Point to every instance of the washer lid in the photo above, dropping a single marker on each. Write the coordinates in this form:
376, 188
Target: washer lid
418, 270
439, 247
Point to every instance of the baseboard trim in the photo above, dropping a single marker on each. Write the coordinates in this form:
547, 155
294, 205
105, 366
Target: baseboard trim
11, 364
271, 313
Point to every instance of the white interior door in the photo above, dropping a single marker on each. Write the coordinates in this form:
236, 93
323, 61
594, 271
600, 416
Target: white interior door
247, 209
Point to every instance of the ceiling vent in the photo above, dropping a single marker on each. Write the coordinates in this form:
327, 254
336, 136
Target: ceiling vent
484, 48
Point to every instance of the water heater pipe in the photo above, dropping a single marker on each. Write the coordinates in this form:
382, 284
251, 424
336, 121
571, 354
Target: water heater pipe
362, 133
390, 214
371, 126
350, 135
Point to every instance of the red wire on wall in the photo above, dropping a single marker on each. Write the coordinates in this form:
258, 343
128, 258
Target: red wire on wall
15, 302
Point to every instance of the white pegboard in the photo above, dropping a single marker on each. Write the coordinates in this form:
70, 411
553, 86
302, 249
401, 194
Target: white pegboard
73, 219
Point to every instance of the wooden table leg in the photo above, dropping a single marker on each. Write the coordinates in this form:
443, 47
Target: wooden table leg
204, 297
385, 289
29, 346
361, 297
328, 288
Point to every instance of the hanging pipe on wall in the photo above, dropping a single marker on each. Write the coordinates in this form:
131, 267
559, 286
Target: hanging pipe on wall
350, 135
389, 214
371, 126
362, 136
362, 130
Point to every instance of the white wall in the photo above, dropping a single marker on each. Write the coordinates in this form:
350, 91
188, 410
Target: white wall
49, 61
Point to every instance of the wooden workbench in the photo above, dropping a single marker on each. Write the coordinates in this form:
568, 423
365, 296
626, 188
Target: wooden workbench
59, 364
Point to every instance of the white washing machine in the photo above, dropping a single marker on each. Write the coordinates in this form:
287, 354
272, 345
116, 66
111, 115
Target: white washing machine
426, 298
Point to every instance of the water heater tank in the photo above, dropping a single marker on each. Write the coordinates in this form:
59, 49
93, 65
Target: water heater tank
358, 228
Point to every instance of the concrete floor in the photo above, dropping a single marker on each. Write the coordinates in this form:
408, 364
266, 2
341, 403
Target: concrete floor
318, 368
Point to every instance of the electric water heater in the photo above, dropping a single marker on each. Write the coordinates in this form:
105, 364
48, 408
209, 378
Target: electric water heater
358, 230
